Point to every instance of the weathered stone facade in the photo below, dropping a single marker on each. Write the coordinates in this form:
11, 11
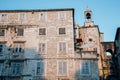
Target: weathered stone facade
39, 45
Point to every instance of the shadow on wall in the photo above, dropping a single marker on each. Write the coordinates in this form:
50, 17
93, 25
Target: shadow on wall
21, 64
87, 70
111, 61
35, 65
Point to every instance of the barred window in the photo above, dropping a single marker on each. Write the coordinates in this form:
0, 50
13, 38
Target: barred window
42, 31
42, 48
20, 32
62, 47
2, 32
85, 69
62, 67
62, 31
40, 68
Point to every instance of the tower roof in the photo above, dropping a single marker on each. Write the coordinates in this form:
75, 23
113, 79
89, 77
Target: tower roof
88, 9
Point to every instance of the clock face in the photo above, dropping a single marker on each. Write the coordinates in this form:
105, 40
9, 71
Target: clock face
88, 16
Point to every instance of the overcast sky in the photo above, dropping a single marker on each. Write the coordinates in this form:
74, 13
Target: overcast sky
106, 13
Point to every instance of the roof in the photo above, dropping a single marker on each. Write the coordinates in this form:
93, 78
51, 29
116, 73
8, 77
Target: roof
37, 10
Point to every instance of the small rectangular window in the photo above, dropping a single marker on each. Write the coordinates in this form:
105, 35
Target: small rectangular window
62, 15
62, 67
43, 16
62, 31
4, 17
40, 68
2, 32
20, 32
18, 48
42, 31
42, 48
22, 16
62, 47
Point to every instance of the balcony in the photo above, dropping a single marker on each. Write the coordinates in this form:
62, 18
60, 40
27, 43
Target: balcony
2, 57
17, 56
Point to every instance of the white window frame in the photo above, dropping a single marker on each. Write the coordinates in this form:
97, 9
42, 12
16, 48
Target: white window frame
58, 48
62, 34
44, 16
14, 67
6, 17
22, 18
62, 74
59, 31
45, 31
81, 65
44, 49
19, 34
62, 15
44, 73
18, 46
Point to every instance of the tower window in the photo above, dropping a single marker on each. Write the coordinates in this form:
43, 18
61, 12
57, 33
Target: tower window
88, 16
90, 39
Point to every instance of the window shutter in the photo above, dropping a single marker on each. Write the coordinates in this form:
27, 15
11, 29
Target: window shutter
64, 67
62, 31
60, 67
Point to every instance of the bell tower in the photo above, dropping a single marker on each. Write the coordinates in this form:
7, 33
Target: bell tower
88, 18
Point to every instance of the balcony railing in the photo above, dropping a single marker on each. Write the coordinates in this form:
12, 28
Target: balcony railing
17, 56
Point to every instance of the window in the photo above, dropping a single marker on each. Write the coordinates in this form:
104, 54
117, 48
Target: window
42, 48
62, 31
16, 68
90, 39
2, 32
42, 31
62, 67
4, 17
22, 16
18, 48
62, 47
62, 16
2, 48
20, 32
40, 68
85, 69
42, 16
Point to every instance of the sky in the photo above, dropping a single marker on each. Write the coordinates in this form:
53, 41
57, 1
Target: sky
105, 13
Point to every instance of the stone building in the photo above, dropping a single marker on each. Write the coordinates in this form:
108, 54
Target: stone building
117, 51
89, 39
42, 45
